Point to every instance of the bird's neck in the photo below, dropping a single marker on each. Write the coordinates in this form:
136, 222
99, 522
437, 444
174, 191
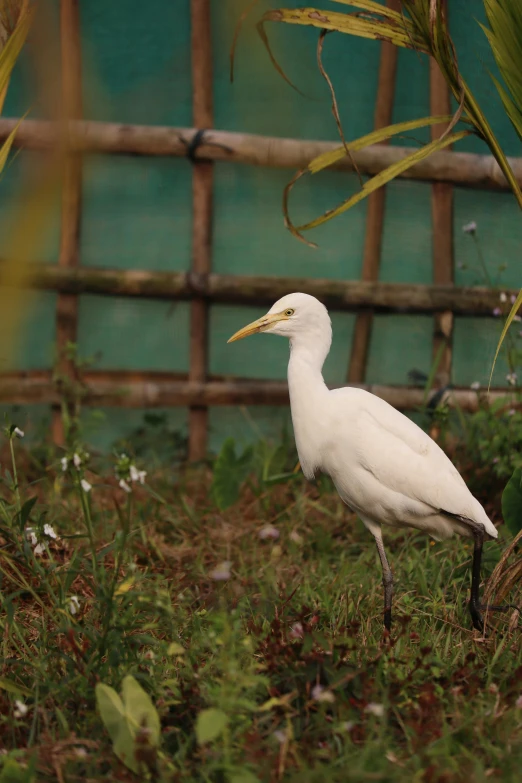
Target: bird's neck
307, 358
308, 399
305, 376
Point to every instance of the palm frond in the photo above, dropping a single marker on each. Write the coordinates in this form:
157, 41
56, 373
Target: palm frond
505, 38
376, 182
422, 25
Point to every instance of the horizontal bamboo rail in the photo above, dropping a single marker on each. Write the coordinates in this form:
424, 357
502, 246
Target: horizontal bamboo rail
458, 168
157, 390
243, 289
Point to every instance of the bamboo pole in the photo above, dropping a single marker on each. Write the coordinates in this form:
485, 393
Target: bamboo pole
157, 390
442, 232
67, 304
458, 168
202, 182
264, 290
375, 215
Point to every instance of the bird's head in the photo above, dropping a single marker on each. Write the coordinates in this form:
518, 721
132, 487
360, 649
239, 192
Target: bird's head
294, 316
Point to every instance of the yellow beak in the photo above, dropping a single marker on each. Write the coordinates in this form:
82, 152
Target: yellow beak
261, 325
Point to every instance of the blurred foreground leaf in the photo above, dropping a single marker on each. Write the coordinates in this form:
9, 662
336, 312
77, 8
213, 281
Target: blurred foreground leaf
210, 725
127, 718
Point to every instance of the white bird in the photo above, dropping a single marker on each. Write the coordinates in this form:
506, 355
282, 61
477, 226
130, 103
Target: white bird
384, 467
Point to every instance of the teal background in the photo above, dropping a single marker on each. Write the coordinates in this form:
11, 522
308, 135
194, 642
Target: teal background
137, 211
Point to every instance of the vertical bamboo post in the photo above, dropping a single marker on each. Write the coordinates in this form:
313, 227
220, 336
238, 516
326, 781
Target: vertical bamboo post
376, 207
67, 304
442, 227
202, 180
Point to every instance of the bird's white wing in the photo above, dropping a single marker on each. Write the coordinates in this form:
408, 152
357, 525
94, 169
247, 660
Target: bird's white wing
405, 461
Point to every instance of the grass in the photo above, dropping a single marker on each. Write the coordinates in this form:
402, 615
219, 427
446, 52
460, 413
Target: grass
288, 651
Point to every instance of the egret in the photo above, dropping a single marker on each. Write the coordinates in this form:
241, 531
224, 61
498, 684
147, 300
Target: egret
385, 468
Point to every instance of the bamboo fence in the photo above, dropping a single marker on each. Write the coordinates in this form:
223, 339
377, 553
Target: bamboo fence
201, 286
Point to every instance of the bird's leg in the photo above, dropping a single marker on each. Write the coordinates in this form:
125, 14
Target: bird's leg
474, 602
475, 607
387, 580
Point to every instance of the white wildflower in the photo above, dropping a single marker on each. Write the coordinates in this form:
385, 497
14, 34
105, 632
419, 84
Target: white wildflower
297, 631
511, 412
512, 298
30, 536
475, 385
497, 311
74, 604
77, 460
49, 531
64, 462
511, 378
268, 531
39, 549
517, 318
21, 709
281, 736
503, 297
347, 725
221, 572
322, 694
296, 537
375, 709
137, 475
18, 432
123, 484
518, 702
470, 228
80, 753
85, 485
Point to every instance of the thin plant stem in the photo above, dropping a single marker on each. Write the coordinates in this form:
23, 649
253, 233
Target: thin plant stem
88, 523
121, 548
482, 262
109, 603
15, 479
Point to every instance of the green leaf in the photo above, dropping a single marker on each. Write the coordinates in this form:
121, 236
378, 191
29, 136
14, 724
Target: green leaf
140, 709
280, 478
125, 717
25, 511
512, 503
505, 38
112, 713
175, 649
374, 183
397, 31
229, 474
330, 158
245, 776
13, 47
210, 725
13, 772
12, 687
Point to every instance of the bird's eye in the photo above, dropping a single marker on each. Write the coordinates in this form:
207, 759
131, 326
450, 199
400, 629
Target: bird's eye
289, 312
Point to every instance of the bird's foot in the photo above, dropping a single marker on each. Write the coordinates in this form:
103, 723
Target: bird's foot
476, 616
476, 612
